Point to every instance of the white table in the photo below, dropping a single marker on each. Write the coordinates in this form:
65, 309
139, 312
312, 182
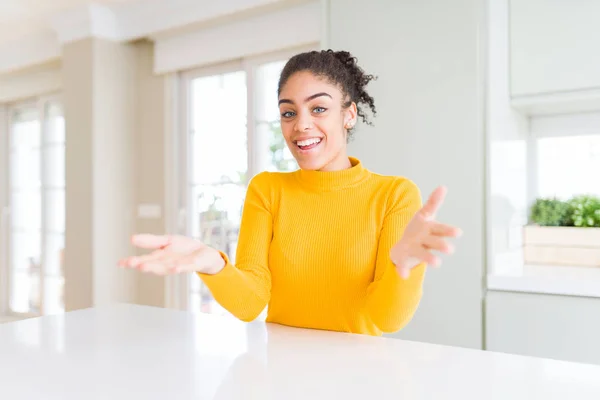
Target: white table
131, 352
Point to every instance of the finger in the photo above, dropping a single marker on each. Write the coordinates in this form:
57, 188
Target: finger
434, 202
135, 261
190, 263
438, 244
147, 241
187, 264
439, 229
162, 265
427, 257
404, 272
423, 256
130, 262
155, 268
124, 262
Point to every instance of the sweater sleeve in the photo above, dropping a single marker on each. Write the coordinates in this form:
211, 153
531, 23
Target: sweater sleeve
244, 289
391, 300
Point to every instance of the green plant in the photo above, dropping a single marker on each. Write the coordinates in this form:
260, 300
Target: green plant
550, 212
585, 211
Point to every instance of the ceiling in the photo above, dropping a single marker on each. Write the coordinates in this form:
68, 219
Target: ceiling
20, 18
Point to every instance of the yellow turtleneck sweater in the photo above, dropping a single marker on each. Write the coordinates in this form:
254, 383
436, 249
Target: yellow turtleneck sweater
315, 247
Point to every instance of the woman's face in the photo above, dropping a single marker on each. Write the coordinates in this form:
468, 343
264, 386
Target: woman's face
314, 123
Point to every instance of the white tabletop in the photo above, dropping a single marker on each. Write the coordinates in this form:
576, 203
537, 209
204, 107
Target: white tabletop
131, 352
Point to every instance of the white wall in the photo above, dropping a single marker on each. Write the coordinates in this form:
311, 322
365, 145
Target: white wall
114, 161
430, 128
30, 82
507, 152
554, 46
260, 34
33, 49
570, 124
150, 163
100, 95
79, 221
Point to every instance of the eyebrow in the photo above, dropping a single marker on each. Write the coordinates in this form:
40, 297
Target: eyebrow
309, 98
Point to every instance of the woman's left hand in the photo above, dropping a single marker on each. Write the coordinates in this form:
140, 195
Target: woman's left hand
422, 235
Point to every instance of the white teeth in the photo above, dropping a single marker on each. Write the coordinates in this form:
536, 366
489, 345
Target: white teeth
307, 142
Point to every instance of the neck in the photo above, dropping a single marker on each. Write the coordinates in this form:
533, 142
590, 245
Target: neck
333, 179
339, 163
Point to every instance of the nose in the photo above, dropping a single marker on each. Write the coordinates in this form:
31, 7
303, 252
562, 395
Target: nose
304, 123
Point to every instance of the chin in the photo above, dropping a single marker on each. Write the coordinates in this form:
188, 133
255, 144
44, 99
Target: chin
310, 165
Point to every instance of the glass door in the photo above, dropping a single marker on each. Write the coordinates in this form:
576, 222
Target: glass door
232, 132
271, 150
217, 168
36, 208
25, 207
53, 215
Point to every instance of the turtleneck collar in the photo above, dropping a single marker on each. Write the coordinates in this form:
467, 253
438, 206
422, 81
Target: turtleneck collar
334, 180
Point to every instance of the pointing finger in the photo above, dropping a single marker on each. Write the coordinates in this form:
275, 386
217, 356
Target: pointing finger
439, 229
438, 244
434, 202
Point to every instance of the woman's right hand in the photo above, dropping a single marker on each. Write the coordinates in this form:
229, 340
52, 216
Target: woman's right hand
174, 254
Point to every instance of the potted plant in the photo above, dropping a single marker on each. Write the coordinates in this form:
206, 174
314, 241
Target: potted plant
563, 232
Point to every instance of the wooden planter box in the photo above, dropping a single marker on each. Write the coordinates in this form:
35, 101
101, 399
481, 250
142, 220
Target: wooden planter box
551, 245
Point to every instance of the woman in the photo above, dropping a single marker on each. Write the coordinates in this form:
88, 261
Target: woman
331, 246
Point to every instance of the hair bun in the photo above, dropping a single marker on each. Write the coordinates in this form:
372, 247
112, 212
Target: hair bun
340, 68
360, 79
344, 56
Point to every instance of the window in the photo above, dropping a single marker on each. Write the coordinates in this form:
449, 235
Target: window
34, 221
568, 166
548, 157
218, 166
279, 157
538, 146
232, 132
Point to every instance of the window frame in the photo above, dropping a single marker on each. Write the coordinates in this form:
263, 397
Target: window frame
4, 196
554, 280
554, 126
39, 103
177, 288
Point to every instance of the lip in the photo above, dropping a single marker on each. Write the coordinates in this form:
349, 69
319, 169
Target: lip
295, 141
311, 147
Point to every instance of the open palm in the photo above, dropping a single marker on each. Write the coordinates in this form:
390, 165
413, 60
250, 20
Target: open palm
422, 236
173, 254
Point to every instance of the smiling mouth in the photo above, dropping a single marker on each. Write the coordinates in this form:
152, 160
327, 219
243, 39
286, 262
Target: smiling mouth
308, 144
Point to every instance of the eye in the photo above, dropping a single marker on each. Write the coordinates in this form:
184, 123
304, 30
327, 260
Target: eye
288, 114
319, 110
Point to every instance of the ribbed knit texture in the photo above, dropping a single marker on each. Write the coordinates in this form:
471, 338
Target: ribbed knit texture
314, 246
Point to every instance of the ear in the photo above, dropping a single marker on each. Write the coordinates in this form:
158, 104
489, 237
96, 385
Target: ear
350, 115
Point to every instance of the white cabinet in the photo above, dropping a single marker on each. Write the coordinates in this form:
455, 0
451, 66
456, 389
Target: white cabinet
554, 57
557, 327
